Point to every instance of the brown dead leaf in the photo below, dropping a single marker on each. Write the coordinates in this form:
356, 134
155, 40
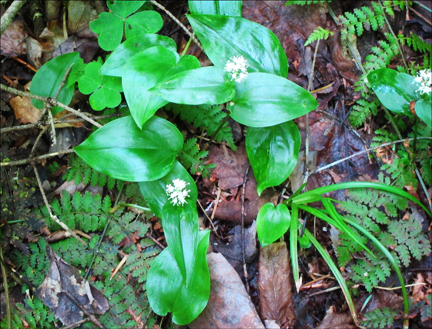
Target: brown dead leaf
333, 320
80, 14
12, 42
34, 52
229, 305
417, 293
24, 109
274, 285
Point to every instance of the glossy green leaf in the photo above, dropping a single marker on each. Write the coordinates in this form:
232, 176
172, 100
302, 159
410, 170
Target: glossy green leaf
167, 290
131, 47
106, 89
315, 194
144, 71
124, 8
206, 85
180, 224
207, 7
224, 37
293, 237
423, 109
272, 223
395, 90
123, 151
264, 100
47, 80
110, 30
154, 192
148, 21
273, 153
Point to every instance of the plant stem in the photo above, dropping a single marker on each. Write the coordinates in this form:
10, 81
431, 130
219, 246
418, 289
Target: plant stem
24, 161
10, 13
422, 5
6, 291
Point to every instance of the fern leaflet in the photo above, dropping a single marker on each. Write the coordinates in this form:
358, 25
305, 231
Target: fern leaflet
318, 34
193, 158
380, 318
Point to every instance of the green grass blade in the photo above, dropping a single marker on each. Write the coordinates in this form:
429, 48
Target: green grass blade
319, 214
390, 258
293, 246
337, 274
343, 227
314, 195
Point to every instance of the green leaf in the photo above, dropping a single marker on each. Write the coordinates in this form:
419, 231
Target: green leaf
395, 90
272, 223
206, 85
143, 22
124, 8
154, 192
110, 30
423, 109
167, 290
224, 37
206, 7
180, 224
273, 153
106, 90
48, 78
264, 100
131, 47
315, 195
144, 71
293, 246
122, 150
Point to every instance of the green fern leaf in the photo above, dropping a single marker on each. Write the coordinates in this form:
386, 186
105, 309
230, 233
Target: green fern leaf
380, 318
318, 34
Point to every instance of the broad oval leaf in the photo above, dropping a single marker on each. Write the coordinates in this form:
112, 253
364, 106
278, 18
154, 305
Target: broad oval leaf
154, 192
167, 291
148, 21
395, 90
180, 224
207, 7
272, 223
131, 47
47, 80
144, 71
110, 30
124, 8
224, 37
273, 153
123, 151
264, 100
423, 109
206, 85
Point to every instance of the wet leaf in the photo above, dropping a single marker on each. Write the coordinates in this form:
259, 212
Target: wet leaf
272, 223
206, 7
143, 22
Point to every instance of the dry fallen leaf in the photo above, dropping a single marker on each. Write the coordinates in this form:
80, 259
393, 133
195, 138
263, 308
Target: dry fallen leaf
24, 109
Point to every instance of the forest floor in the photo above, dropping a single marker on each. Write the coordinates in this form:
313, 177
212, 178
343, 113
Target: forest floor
228, 200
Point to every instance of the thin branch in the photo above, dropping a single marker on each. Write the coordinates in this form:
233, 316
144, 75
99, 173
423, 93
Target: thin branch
6, 291
245, 273
179, 23
25, 161
53, 217
10, 13
368, 150
50, 101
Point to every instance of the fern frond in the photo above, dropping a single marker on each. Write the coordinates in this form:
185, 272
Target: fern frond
363, 110
318, 34
207, 118
380, 318
193, 159
363, 18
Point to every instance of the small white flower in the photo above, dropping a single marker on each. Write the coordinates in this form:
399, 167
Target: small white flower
424, 81
177, 192
237, 67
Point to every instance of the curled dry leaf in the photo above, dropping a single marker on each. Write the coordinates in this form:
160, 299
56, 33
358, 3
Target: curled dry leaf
24, 109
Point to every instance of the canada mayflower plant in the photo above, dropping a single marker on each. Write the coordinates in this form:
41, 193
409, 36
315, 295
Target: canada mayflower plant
237, 67
177, 192
424, 81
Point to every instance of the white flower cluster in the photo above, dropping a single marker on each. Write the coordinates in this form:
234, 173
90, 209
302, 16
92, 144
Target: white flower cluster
424, 81
177, 192
237, 67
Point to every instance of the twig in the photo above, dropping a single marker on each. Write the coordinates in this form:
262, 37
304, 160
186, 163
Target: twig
245, 273
10, 13
51, 101
53, 217
368, 150
179, 23
422, 5
76, 324
420, 15
91, 317
25, 161
210, 220
154, 240
57, 121
6, 291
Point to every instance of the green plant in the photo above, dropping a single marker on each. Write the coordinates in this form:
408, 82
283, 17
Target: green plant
380, 318
318, 34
